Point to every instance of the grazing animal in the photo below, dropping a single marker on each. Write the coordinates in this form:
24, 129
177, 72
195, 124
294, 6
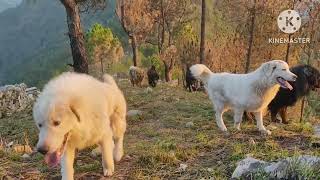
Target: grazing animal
75, 111
136, 75
308, 80
191, 81
250, 92
153, 76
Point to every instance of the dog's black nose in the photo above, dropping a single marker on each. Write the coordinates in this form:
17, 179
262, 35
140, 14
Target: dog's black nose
294, 77
43, 150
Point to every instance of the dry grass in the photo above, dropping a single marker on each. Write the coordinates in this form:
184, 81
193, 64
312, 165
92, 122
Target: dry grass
158, 142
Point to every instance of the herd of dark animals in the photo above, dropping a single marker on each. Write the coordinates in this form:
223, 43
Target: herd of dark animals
308, 80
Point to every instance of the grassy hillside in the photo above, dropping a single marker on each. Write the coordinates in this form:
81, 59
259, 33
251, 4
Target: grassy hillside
157, 142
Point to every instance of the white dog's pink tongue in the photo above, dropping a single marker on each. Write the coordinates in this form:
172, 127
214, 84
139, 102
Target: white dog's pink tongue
53, 159
283, 83
288, 85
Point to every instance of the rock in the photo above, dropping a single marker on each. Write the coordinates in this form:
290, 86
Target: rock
283, 169
10, 144
210, 170
183, 167
272, 127
148, 90
25, 156
247, 166
15, 98
252, 142
189, 124
132, 113
316, 130
96, 152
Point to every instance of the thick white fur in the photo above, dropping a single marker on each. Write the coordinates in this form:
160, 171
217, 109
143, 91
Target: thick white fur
92, 111
250, 92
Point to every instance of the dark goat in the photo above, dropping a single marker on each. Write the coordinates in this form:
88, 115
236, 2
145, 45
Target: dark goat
153, 76
191, 82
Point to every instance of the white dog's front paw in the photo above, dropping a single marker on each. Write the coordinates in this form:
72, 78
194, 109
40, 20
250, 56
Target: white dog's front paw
107, 172
265, 132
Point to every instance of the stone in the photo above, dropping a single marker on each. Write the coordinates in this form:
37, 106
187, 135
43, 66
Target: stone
25, 156
189, 124
252, 141
148, 90
316, 130
272, 127
281, 169
183, 167
96, 152
15, 98
132, 113
246, 166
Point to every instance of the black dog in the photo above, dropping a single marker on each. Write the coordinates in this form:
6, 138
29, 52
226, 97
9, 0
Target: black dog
308, 79
153, 76
191, 81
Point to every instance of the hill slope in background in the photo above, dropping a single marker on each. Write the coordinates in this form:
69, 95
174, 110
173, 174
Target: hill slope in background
5, 4
34, 45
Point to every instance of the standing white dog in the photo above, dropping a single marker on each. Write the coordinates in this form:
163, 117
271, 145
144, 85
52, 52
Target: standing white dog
250, 92
76, 111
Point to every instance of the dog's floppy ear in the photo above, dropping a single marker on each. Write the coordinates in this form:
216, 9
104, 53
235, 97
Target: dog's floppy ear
265, 67
75, 112
307, 71
268, 68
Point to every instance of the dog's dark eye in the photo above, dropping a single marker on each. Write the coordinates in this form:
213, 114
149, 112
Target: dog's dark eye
274, 67
56, 123
40, 125
283, 69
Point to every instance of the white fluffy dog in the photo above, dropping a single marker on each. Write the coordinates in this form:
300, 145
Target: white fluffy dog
75, 111
250, 92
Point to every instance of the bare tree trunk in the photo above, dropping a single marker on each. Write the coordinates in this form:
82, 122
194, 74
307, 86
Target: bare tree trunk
170, 42
134, 49
302, 109
102, 68
130, 34
167, 72
203, 30
288, 50
163, 30
159, 39
251, 34
79, 54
